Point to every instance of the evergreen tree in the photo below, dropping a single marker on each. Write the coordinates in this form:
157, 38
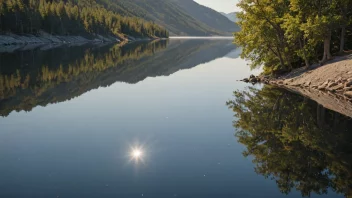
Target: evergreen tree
71, 17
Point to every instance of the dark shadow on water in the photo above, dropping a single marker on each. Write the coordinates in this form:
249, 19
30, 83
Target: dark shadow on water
45, 75
294, 141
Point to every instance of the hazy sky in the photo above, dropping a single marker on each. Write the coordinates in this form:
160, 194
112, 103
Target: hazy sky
220, 5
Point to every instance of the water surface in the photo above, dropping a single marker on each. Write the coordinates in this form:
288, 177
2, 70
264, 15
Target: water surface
74, 117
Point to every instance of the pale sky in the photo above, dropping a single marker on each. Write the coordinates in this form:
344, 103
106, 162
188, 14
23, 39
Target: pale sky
220, 5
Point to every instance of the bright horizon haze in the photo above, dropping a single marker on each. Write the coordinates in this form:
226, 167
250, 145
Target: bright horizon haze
226, 6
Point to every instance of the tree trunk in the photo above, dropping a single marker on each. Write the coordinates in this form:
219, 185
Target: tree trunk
289, 62
342, 40
281, 59
306, 61
327, 55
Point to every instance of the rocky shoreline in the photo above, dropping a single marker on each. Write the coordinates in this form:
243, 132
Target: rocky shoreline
45, 38
330, 85
11, 42
257, 79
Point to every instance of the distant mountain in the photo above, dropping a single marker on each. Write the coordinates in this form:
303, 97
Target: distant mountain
119, 19
231, 16
85, 18
208, 16
179, 17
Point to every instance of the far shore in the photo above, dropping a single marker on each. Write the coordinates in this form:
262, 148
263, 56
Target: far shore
202, 37
29, 42
45, 38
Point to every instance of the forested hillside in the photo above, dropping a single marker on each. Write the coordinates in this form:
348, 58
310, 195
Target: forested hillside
138, 18
176, 16
290, 34
72, 17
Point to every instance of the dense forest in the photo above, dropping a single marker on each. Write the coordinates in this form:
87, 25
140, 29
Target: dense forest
72, 17
294, 141
293, 33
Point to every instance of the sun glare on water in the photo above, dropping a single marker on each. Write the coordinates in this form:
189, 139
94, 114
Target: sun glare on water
137, 153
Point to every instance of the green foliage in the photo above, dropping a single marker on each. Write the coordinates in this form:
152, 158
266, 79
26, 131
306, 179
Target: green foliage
285, 34
295, 141
71, 17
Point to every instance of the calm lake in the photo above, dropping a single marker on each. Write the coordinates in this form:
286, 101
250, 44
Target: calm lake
160, 119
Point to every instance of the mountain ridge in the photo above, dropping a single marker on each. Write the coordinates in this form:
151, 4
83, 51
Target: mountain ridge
179, 17
118, 19
208, 16
72, 17
232, 16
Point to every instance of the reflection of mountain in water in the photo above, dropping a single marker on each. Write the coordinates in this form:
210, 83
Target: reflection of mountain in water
36, 77
234, 54
295, 141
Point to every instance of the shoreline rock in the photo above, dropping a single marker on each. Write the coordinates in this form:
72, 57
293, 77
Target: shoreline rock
330, 84
46, 38
335, 76
256, 79
43, 38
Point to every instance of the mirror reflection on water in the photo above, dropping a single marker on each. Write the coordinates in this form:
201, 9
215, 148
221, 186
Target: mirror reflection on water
154, 119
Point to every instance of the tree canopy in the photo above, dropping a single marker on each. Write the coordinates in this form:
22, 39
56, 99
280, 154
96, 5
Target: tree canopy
284, 34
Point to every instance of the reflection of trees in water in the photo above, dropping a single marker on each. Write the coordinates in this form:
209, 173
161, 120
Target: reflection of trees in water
32, 78
295, 141
29, 74
62, 69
